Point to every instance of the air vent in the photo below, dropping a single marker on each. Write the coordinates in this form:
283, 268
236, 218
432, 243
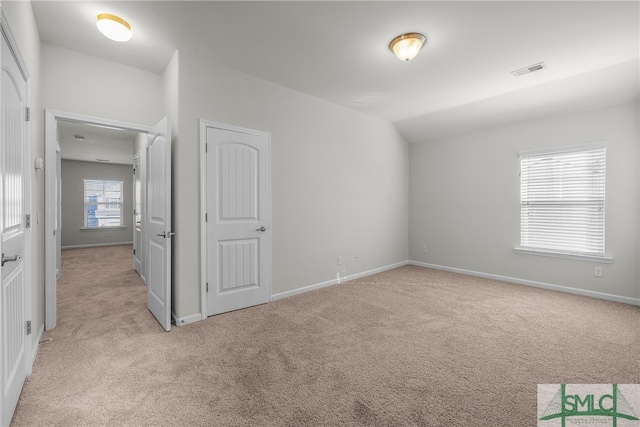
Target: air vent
79, 137
103, 160
530, 69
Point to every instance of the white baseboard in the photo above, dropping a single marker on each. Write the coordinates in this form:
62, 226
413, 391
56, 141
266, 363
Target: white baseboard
181, 321
335, 281
96, 245
559, 288
34, 351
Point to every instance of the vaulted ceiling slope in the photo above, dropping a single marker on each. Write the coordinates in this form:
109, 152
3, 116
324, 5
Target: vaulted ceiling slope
338, 51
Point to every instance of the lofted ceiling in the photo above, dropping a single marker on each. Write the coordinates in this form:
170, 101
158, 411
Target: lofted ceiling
338, 51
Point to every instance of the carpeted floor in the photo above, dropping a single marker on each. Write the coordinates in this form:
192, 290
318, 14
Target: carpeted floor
411, 346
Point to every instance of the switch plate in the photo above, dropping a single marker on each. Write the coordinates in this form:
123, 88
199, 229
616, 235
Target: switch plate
597, 271
424, 249
339, 260
357, 257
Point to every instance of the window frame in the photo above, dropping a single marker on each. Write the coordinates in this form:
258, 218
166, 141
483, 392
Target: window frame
85, 204
554, 251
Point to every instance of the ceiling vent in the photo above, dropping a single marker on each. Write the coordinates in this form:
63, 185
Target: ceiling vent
530, 69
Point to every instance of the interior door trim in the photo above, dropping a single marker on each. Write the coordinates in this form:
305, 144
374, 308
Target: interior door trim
50, 170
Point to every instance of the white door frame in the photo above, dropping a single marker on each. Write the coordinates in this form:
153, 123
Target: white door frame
204, 124
137, 199
51, 169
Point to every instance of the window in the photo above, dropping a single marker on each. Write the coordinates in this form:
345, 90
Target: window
102, 203
562, 201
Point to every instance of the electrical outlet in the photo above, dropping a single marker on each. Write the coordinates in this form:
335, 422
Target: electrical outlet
597, 271
357, 257
424, 249
339, 260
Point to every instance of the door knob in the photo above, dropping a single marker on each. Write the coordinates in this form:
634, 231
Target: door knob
166, 235
263, 228
9, 259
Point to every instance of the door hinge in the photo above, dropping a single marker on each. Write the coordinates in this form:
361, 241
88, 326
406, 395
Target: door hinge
28, 221
206, 217
207, 286
27, 114
206, 147
134, 251
28, 327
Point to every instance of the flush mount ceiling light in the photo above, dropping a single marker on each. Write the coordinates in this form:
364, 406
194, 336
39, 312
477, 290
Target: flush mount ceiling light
114, 27
406, 46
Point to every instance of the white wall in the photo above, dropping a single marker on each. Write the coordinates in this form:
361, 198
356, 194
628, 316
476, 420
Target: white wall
339, 180
23, 26
73, 174
465, 196
78, 83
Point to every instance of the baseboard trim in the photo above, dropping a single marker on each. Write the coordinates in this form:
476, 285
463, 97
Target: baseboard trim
181, 321
95, 245
559, 288
335, 281
36, 348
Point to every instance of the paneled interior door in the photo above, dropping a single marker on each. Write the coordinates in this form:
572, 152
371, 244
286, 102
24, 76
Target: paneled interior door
238, 227
159, 223
13, 227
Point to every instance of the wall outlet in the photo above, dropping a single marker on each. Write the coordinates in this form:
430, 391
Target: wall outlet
597, 271
357, 257
339, 260
424, 249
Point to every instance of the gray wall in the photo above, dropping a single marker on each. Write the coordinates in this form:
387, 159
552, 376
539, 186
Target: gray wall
73, 174
78, 83
339, 179
465, 200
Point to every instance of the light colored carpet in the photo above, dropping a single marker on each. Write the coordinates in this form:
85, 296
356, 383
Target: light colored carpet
411, 346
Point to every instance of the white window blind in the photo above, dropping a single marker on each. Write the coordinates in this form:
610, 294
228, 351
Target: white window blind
562, 200
102, 203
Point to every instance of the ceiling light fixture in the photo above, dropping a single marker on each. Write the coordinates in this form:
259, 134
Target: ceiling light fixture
406, 46
114, 27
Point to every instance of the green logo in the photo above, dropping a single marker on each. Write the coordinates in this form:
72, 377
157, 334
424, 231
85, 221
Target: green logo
587, 402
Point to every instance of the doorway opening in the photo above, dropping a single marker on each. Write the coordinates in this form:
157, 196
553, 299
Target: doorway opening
150, 140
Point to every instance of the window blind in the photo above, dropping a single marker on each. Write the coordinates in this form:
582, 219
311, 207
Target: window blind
102, 203
562, 200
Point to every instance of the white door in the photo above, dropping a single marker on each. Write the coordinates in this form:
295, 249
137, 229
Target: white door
159, 223
137, 216
13, 330
238, 227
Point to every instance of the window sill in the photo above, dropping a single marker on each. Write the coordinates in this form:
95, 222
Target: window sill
548, 253
103, 228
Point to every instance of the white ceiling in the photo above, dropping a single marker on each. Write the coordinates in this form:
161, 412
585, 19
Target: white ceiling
338, 51
99, 143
